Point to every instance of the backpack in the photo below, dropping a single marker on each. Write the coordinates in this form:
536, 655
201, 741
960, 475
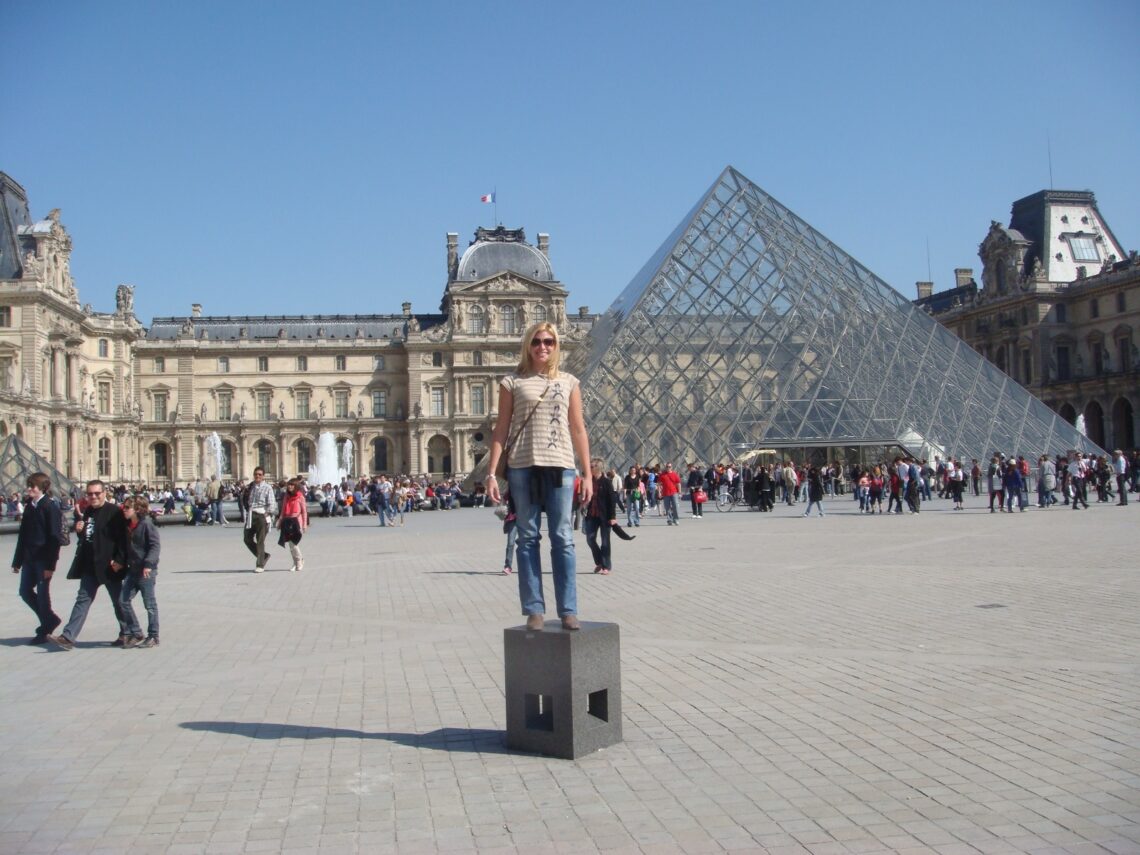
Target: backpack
64, 527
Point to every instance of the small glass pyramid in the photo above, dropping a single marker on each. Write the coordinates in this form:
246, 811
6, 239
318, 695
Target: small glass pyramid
18, 461
749, 328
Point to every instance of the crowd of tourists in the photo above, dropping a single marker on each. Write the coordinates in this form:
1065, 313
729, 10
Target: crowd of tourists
118, 543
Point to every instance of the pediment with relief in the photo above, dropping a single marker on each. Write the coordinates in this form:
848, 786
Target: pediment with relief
505, 283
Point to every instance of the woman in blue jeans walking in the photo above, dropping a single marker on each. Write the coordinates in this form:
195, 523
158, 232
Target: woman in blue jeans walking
142, 572
540, 431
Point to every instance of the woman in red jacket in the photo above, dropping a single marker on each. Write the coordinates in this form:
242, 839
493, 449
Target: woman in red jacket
293, 522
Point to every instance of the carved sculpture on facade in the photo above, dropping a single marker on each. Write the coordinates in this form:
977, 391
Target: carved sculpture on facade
413, 324
202, 414
456, 316
125, 300
281, 410
321, 410
33, 269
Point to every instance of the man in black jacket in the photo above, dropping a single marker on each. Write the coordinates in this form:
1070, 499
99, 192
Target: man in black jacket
37, 552
100, 558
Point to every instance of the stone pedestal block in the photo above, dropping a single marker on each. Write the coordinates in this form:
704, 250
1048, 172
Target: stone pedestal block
563, 688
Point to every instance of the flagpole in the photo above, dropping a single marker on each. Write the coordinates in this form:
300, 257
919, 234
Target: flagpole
495, 200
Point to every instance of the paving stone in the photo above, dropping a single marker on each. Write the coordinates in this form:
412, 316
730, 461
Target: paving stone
853, 702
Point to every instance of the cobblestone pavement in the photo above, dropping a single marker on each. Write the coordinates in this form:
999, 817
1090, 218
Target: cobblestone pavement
947, 682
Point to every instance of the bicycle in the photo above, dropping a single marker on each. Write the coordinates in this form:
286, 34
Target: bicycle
728, 499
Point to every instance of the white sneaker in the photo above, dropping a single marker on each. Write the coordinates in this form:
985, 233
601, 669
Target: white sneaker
293, 569
257, 569
301, 564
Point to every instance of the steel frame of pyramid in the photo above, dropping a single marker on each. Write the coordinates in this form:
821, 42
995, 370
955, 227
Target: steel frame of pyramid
749, 328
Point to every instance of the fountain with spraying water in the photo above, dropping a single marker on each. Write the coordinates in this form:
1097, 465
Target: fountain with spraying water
214, 455
330, 469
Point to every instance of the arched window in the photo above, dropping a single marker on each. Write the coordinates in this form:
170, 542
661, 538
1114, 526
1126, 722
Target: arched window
507, 320
540, 314
475, 320
304, 456
379, 454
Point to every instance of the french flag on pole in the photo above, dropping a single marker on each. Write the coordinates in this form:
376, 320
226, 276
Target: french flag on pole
489, 198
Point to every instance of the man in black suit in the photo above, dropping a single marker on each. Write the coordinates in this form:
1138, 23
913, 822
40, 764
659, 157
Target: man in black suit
100, 558
37, 552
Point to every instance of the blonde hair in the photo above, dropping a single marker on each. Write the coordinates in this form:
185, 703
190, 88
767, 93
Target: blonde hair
526, 363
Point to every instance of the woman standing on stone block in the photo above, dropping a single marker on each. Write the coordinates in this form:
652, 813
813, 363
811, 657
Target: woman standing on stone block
540, 431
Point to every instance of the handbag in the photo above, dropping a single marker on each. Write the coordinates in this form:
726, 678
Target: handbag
700, 496
501, 466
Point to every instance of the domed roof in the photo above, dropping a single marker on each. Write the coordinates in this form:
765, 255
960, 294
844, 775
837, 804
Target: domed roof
495, 252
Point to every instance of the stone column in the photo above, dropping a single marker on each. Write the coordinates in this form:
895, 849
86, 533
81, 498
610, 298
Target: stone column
282, 461
71, 452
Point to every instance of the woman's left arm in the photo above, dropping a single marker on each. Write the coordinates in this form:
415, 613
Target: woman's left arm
581, 442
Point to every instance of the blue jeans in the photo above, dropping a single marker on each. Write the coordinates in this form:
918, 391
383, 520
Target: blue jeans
384, 506
1012, 494
88, 588
132, 584
633, 512
512, 539
35, 590
557, 501
216, 511
670, 503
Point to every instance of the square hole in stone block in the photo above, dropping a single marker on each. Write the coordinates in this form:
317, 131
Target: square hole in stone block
598, 704
539, 712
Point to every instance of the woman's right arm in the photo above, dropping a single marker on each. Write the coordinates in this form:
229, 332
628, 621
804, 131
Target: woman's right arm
498, 439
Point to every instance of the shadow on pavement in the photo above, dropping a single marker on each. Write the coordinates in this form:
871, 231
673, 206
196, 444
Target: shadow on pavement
444, 739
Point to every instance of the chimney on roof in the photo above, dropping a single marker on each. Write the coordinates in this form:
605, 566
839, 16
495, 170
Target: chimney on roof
195, 310
583, 311
925, 289
544, 244
407, 307
963, 276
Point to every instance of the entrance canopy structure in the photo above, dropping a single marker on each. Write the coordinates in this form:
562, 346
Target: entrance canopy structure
749, 328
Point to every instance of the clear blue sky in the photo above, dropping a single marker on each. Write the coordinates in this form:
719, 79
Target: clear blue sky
295, 158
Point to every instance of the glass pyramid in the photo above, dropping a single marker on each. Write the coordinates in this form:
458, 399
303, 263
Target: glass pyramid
749, 328
18, 461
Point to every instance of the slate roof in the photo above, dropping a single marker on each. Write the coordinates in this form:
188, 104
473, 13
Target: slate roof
290, 327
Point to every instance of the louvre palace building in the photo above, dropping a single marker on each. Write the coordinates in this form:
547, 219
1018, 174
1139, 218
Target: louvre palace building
755, 333
1058, 310
100, 394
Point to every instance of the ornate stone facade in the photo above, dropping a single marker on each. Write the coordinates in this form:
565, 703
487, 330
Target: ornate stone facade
1058, 310
100, 395
65, 370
